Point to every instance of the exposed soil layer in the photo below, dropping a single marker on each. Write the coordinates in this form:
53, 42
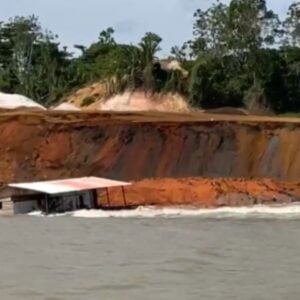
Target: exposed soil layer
201, 192
135, 146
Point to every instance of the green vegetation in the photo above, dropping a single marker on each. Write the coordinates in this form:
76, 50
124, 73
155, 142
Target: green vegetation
87, 101
290, 115
241, 55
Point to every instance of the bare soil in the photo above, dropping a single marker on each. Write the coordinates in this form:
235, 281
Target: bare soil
202, 192
194, 150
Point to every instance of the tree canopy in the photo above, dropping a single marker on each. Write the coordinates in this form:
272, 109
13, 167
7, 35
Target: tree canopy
241, 54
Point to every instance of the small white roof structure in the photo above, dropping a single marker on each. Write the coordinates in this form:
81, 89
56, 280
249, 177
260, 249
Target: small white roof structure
69, 185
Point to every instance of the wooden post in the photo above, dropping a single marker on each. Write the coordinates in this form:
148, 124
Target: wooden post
46, 205
124, 196
107, 196
95, 196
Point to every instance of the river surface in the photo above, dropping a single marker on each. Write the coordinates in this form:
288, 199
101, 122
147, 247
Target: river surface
172, 256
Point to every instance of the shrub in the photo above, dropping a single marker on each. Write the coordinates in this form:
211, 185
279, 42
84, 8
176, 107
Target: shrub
88, 101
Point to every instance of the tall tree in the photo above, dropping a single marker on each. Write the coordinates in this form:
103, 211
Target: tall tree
106, 37
251, 26
210, 30
292, 26
31, 62
149, 45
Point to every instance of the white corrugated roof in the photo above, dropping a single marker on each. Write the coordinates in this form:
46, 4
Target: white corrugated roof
69, 185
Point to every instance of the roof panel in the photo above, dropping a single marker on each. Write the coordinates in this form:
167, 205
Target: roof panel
69, 185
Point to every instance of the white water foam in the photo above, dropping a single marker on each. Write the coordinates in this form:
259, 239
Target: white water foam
39, 213
291, 211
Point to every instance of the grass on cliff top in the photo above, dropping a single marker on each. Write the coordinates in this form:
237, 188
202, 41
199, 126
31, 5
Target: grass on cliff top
290, 115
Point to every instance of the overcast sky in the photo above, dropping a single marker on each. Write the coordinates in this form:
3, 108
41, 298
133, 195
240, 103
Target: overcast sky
80, 21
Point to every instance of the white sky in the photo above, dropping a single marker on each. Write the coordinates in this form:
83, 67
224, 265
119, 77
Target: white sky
80, 21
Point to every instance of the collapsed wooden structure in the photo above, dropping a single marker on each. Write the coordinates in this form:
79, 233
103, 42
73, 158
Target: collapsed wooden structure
56, 196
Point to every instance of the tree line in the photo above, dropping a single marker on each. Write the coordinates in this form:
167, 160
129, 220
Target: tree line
241, 55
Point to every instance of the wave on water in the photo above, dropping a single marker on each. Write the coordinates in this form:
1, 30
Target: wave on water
259, 211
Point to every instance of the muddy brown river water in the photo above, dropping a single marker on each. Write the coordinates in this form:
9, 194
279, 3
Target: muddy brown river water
158, 257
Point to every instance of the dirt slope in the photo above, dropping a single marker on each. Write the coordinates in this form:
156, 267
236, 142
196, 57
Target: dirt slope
50, 145
96, 97
201, 192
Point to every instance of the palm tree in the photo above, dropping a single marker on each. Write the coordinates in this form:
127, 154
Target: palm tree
149, 46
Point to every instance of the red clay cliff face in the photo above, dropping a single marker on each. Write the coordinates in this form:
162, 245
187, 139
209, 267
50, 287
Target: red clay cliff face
201, 192
39, 145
